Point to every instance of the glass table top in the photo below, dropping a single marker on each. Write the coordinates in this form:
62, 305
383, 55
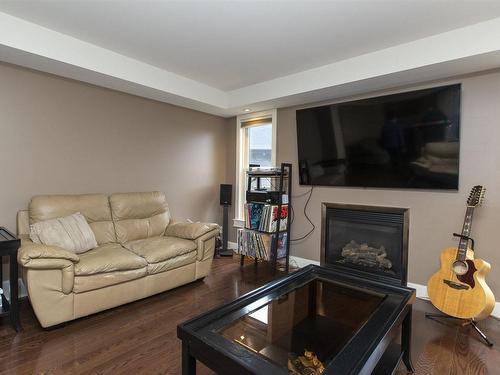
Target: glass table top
306, 328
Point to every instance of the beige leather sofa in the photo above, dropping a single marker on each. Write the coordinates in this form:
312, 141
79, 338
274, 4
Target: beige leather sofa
140, 252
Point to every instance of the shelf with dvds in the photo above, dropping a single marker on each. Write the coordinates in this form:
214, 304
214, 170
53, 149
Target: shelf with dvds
267, 228
255, 244
263, 217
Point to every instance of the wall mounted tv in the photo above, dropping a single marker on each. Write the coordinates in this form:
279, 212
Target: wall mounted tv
407, 140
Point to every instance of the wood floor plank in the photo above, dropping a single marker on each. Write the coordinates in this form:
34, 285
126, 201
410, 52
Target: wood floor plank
141, 338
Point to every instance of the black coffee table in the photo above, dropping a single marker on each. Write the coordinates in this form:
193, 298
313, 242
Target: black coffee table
352, 324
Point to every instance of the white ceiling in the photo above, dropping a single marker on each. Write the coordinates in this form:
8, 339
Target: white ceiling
232, 48
229, 45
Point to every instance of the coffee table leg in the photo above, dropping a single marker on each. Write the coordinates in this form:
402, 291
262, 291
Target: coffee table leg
14, 288
188, 361
406, 340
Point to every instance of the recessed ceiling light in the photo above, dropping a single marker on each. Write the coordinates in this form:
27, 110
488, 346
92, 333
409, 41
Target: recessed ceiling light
247, 109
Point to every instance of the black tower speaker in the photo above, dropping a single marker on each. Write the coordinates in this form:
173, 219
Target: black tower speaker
226, 191
225, 194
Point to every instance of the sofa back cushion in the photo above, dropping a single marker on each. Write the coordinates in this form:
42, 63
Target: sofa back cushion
95, 208
139, 215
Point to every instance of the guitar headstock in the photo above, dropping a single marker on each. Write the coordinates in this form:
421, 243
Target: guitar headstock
476, 196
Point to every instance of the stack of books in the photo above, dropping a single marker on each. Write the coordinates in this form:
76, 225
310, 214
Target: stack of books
264, 217
258, 245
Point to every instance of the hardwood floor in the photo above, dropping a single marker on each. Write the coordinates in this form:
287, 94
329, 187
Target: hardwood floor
140, 338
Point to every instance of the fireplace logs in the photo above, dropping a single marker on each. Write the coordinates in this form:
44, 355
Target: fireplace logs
365, 255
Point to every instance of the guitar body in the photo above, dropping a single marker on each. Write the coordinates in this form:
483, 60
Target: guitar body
462, 296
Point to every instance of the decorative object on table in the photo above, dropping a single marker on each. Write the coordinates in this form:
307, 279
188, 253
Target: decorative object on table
226, 191
459, 288
266, 235
307, 364
349, 322
9, 244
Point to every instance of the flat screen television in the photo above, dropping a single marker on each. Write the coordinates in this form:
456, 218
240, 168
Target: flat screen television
407, 140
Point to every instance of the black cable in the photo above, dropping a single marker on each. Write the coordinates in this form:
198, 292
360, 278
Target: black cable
307, 217
301, 194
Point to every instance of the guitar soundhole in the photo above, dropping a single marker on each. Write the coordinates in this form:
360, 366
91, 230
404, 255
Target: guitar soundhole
468, 278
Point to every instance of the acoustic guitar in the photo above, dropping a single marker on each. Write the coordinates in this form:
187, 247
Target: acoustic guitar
459, 288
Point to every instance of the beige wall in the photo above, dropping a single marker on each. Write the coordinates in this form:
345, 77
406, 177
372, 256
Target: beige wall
231, 170
62, 136
434, 215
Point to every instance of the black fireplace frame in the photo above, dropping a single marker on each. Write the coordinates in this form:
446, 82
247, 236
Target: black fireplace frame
405, 212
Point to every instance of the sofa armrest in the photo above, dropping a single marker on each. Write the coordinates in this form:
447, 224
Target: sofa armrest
206, 245
41, 257
190, 231
30, 253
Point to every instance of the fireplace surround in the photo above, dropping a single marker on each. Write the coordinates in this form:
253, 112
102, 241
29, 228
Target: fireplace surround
369, 240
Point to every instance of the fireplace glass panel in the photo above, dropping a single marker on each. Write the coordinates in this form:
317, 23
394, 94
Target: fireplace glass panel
366, 240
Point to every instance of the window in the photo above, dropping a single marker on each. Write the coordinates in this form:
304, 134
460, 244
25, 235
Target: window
260, 139
256, 146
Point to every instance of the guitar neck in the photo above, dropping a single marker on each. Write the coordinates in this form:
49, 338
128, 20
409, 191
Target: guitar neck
466, 231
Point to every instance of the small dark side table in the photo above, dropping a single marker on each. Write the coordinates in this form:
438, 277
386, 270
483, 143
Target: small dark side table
9, 244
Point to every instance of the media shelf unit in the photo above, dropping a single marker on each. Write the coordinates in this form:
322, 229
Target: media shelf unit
269, 199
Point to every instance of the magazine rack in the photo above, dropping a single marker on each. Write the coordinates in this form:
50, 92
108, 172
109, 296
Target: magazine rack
265, 237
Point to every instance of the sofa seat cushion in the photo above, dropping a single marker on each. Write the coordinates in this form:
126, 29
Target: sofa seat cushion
170, 264
108, 258
160, 248
85, 283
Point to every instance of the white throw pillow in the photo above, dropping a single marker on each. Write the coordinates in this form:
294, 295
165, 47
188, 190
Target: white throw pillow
71, 233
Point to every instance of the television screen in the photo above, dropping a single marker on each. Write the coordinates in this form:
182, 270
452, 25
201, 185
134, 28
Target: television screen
406, 140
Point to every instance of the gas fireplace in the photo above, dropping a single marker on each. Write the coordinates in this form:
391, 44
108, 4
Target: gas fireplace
366, 239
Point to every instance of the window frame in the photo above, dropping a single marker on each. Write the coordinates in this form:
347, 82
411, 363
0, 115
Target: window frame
242, 147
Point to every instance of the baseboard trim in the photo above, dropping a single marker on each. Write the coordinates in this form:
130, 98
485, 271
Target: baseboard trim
302, 262
419, 288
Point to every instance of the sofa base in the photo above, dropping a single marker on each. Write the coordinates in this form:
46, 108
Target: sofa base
53, 307
50, 304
